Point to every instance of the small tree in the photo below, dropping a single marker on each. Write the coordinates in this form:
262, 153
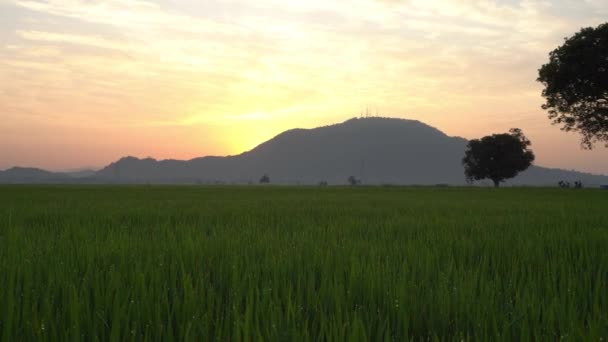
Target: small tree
497, 157
265, 179
576, 85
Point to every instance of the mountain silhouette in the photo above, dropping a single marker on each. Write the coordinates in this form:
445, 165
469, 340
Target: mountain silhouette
31, 175
374, 150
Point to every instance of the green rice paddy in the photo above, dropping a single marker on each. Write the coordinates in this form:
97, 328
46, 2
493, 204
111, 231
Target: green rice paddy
160, 263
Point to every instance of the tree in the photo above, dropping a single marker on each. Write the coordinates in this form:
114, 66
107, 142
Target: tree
352, 181
497, 157
265, 179
576, 85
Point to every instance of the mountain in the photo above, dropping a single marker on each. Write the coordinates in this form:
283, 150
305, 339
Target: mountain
26, 175
375, 150
81, 173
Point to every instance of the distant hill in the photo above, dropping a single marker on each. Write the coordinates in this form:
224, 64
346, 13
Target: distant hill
80, 173
26, 175
375, 150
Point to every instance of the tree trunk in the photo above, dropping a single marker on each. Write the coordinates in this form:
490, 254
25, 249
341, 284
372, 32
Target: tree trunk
496, 183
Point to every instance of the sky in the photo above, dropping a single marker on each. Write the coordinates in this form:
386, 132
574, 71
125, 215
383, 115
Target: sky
85, 82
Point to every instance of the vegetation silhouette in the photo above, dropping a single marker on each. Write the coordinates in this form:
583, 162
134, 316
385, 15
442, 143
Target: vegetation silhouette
497, 157
576, 85
566, 184
265, 179
353, 181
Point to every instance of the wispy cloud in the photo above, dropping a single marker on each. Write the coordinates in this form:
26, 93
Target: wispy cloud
230, 64
86, 40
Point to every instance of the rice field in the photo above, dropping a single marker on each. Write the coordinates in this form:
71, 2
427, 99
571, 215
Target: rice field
162, 263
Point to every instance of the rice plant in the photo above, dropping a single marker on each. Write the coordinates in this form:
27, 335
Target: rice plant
155, 263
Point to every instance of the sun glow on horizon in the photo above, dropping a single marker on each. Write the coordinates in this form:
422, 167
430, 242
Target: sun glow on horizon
87, 82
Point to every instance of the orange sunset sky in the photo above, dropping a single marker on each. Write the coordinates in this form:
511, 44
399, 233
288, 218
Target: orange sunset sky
85, 82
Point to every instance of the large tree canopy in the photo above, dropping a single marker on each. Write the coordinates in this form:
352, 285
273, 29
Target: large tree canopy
497, 157
576, 85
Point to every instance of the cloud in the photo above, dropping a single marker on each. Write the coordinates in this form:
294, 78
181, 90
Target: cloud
272, 51
119, 63
86, 40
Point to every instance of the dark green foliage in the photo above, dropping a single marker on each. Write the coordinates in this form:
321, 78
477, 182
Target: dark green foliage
497, 157
295, 264
576, 84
